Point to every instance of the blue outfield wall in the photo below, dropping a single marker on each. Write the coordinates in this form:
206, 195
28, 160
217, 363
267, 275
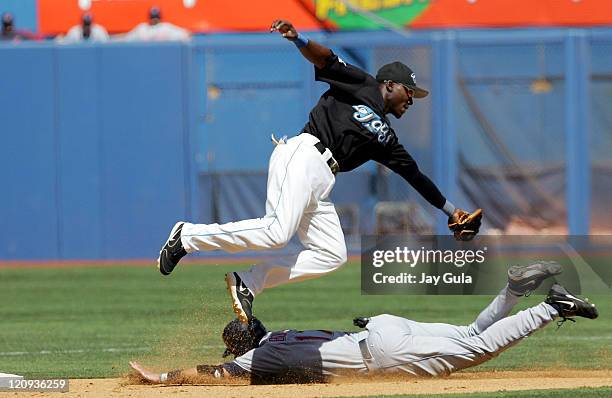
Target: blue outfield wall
106, 146
96, 150
28, 154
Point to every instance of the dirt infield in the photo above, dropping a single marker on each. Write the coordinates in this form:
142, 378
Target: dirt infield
458, 383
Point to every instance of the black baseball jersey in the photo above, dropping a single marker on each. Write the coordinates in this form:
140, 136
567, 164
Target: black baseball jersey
349, 119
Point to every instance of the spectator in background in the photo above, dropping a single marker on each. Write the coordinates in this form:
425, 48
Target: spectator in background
9, 33
8, 30
86, 31
156, 30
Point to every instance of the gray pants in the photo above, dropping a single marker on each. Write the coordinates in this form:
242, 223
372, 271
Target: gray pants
436, 349
399, 344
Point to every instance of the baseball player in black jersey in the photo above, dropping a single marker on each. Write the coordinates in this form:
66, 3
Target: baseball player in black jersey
345, 129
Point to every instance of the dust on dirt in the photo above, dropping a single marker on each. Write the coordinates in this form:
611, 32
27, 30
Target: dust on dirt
133, 387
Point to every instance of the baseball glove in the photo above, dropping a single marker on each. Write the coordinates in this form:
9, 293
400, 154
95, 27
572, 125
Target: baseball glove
465, 225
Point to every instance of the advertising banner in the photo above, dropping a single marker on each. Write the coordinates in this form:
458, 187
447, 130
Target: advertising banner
57, 16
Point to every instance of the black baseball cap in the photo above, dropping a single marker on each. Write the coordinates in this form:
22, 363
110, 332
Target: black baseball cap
400, 73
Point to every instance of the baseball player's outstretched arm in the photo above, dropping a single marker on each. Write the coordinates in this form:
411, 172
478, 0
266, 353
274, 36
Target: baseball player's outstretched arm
311, 50
464, 225
177, 376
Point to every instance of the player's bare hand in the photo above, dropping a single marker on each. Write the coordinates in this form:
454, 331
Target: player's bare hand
285, 28
151, 376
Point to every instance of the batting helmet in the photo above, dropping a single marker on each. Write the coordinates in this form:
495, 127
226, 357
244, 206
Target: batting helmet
240, 338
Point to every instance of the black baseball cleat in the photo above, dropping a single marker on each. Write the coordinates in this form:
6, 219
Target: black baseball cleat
568, 305
172, 252
524, 279
242, 297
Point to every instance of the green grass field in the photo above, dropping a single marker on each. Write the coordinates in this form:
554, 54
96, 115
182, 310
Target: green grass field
604, 392
89, 321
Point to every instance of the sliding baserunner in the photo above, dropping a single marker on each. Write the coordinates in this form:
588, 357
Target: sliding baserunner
391, 343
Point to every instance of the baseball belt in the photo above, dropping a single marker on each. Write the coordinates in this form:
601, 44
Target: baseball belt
331, 162
368, 359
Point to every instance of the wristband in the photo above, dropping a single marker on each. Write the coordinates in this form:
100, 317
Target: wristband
300, 41
448, 208
211, 370
170, 376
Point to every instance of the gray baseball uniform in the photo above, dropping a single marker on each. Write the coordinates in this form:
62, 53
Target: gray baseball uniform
392, 343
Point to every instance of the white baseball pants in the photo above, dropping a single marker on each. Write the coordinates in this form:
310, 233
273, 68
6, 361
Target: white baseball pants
299, 182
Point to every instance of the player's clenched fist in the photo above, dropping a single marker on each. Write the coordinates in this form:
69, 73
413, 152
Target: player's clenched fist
285, 28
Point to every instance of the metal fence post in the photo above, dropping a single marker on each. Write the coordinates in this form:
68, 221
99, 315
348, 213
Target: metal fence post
578, 187
444, 137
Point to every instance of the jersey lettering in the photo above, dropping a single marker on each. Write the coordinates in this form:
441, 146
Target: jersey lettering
277, 337
365, 116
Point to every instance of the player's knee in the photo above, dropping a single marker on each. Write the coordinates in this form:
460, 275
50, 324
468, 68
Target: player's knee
342, 256
278, 239
339, 256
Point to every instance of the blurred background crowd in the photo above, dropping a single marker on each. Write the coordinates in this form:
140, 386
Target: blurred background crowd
89, 31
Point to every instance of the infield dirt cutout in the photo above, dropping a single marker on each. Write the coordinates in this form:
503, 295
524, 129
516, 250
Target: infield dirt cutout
347, 387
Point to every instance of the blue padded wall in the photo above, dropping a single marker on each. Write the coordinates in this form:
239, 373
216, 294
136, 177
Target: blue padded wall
105, 146
142, 135
97, 165
80, 163
28, 154
255, 97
